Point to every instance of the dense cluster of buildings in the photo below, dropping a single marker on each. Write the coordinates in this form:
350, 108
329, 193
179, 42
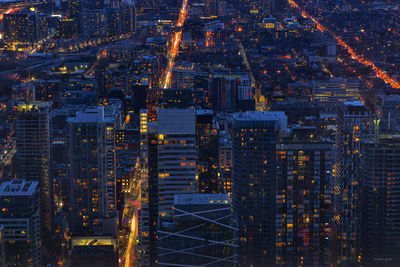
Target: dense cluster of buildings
270, 144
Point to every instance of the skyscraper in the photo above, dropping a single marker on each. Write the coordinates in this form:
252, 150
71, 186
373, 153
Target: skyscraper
380, 187
33, 153
207, 143
303, 199
176, 156
91, 155
167, 162
24, 28
148, 214
203, 233
20, 215
352, 118
231, 92
380, 184
254, 139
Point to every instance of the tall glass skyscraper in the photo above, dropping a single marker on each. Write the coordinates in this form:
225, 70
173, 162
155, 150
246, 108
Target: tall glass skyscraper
253, 195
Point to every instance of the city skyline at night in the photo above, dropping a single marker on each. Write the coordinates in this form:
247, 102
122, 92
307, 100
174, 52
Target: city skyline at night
199, 133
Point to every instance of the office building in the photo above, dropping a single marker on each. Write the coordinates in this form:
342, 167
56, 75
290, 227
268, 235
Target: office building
183, 76
94, 23
176, 156
67, 28
203, 232
303, 199
91, 155
33, 153
352, 119
20, 216
128, 17
207, 143
225, 164
23, 28
113, 21
380, 185
328, 94
148, 214
253, 183
167, 161
127, 146
231, 92
380, 200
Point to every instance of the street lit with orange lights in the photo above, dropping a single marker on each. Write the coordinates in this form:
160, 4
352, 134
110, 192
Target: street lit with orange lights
130, 216
130, 254
174, 46
354, 55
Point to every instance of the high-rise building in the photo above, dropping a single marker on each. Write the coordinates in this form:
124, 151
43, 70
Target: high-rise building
176, 156
225, 164
167, 162
126, 152
303, 199
183, 76
380, 187
328, 94
67, 28
33, 153
352, 117
23, 28
254, 142
91, 158
380, 184
75, 8
20, 215
207, 146
128, 17
94, 23
203, 232
231, 92
148, 214
113, 21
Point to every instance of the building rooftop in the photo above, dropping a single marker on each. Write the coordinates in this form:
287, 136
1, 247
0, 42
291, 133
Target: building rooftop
18, 187
93, 114
176, 121
259, 115
204, 112
35, 106
201, 199
354, 103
